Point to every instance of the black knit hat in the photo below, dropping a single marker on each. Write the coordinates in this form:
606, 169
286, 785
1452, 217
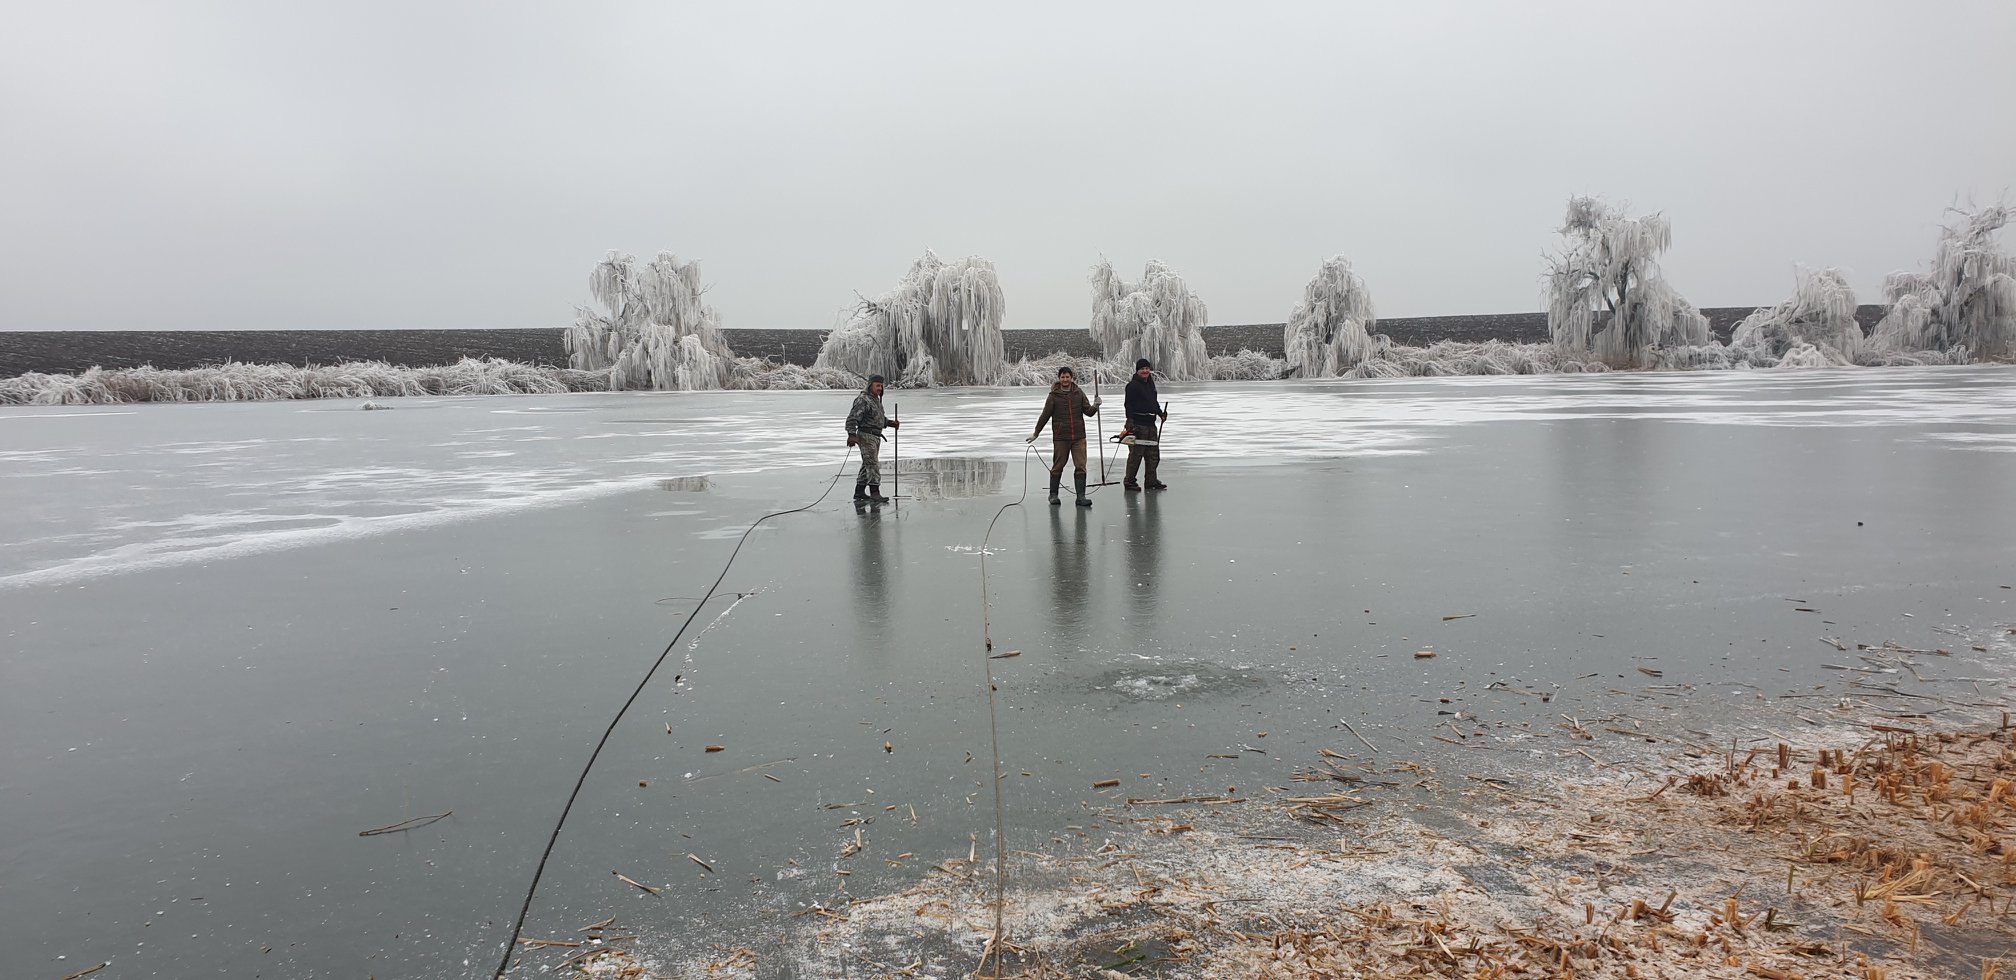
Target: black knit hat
876, 379
1138, 365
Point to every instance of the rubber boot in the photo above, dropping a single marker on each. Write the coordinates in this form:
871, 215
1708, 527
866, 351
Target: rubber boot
875, 493
1055, 479
1083, 501
1134, 466
1154, 463
861, 492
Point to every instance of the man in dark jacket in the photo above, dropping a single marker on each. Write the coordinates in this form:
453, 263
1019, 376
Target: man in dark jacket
1065, 411
1143, 435
865, 423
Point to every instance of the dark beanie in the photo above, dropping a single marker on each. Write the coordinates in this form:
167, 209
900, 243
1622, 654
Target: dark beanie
876, 379
1138, 365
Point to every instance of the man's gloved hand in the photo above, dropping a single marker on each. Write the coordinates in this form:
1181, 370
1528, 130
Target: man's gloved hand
1095, 401
853, 440
895, 424
1031, 440
1164, 414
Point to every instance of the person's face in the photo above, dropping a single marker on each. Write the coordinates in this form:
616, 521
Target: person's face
876, 389
1143, 373
1066, 379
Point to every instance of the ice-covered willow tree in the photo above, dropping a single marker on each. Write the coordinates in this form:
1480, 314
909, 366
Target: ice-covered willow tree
653, 330
1330, 331
1821, 312
1605, 292
1157, 318
1968, 299
940, 326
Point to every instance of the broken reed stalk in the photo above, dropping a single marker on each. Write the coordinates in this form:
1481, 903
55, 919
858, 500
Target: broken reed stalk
1361, 738
412, 823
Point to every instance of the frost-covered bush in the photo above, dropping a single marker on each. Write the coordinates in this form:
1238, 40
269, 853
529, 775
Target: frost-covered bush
1449, 357
653, 331
1805, 355
237, 381
1157, 318
1042, 371
1608, 265
756, 374
1821, 313
1968, 299
940, 326
1247, 365
1329, 332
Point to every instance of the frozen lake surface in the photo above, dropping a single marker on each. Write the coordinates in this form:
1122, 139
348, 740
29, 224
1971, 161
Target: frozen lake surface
238, 634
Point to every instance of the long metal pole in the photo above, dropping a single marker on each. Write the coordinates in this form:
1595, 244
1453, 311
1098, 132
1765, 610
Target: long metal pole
1101, 419
896, 465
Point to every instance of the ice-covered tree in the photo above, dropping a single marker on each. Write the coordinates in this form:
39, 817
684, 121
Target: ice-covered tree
1821, 313
1968, 299
1330, 331
653, 330
1157, 318
940, 326
1609, 266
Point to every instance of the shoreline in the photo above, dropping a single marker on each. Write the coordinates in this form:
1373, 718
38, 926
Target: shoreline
1874, 843
74, 351
1845, 861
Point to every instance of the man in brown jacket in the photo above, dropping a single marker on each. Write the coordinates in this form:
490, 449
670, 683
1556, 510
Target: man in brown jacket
1065, 411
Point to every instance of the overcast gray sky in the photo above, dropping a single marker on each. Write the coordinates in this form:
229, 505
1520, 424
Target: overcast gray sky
413, 164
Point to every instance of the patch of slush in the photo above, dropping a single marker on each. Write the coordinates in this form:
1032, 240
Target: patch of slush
1155, 687
1154, 681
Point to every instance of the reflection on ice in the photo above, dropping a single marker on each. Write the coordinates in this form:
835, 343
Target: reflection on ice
952, 478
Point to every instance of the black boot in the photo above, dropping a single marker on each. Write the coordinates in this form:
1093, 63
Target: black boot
1130, 486
875, 493
1083, 501
1055, 479
861, 491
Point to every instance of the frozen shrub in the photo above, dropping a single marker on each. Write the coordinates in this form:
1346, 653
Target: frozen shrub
1157, 318
653, 331
1330, 330
941, 325
1820, 313
1608, 265
1247, 365
1968, 299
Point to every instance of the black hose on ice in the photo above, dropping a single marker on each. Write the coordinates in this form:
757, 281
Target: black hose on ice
518, 928
994, 943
